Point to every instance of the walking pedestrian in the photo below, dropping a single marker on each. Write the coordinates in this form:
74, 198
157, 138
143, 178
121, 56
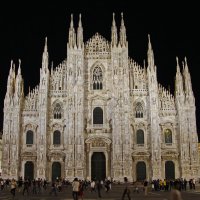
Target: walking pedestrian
126, 189
175, 195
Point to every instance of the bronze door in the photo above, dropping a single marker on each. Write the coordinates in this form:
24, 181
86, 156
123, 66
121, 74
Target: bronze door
98, 166
29, 170
56, 171
169, 170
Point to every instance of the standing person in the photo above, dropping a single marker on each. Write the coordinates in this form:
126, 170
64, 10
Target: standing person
34, 187
92, 185
45, 184
99, 187
145, 187
75, 189
26, 187
53, 188
185, 184
13, 186
20, 182
193, 183
81, 189
126, 189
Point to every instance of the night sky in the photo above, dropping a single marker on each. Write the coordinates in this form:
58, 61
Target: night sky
172, 27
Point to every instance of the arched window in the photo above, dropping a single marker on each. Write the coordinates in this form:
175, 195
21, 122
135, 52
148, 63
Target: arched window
168, 136
139, 110
29, 137
97, 78
56, 137
57, 111
98, 116
140, 136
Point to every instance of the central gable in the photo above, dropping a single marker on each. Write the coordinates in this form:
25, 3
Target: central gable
97, 47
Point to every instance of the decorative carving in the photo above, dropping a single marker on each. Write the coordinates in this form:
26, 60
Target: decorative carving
97, 47
98, 143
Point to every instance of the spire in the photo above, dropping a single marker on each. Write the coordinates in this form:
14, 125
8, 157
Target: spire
19, 82
11, 69
150, 55
122, 19
72, 34
80, 33
187, 79
45, 56
80, 22
11, 79
122, 32
71, 22
114, 32
186, 66
52, 68
45, 46
177, 66
19, 68
178, 80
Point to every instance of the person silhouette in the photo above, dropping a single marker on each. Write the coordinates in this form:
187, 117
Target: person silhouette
175, 195
126, 189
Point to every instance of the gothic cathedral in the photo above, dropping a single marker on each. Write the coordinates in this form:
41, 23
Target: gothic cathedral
100, 114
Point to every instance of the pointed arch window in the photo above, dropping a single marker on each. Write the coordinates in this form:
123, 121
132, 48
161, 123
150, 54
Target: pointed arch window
139, 110
140, 136
56, 137
98, 116
97, 78
29, 137
57, 112
168, 136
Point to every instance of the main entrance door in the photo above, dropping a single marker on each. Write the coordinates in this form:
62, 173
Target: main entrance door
29, 170
56, 170
169, 170
98, 166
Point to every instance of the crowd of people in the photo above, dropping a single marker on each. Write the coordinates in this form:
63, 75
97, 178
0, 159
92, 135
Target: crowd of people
168, 185
79, 187
37, 186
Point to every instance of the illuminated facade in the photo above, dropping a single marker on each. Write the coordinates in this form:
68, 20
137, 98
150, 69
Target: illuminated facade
100, 114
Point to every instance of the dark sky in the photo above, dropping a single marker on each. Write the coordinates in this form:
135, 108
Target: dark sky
173, 29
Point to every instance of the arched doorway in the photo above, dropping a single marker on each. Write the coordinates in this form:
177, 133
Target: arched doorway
169, 170
141, 171
29, 170
98, 166
56, 170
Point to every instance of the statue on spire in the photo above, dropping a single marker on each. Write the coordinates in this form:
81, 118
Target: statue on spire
150, 54
72, 34
114, 32
122, 32
45, 56
80, 33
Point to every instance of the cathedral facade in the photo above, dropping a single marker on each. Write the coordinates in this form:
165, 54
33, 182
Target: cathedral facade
100, 114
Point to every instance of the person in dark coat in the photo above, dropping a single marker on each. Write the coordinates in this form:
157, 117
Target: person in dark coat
126, 189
